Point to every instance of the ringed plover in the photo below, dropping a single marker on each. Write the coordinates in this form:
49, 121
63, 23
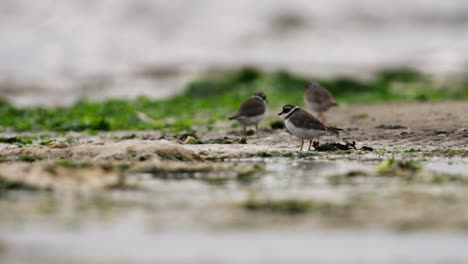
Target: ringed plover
251, 111
304, 125
318, 99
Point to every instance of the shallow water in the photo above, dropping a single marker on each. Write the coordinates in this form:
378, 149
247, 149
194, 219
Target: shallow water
190, 221
124, 245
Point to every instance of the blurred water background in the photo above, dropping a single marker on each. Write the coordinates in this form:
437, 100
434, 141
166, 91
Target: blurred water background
55, 52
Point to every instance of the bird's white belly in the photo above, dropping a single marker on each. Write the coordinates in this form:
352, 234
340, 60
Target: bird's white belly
303, 133
313, 105
251, 120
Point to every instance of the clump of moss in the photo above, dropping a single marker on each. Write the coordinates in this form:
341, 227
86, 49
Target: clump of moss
243, 140
47, 142
265, 154
248, 174
437, 178
71, 164
192, 140
20, 141
125, 137
277, 124
277, 153
348, 177
360, 116
450, 152
7, 185
392, 167
215, 180
226, 140
30, 158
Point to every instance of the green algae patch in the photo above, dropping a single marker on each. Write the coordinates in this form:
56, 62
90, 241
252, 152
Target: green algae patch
449, 153
30, 158
212, 98
215, 180
248, 174
192, 140
67, 163
277, 124
12, 185
397, 167
20, 141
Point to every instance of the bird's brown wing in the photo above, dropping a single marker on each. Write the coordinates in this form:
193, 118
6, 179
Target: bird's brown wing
251, 107
320, 96
302, 118
306, 120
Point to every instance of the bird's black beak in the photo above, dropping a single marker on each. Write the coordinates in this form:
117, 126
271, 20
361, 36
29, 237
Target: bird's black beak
280, 113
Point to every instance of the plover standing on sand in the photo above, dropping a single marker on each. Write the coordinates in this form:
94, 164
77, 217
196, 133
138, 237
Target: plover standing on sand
251, 111
318, 99
304, 125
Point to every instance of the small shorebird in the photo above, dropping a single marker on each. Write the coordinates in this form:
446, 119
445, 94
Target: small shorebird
304, 125
318, 99
251, 111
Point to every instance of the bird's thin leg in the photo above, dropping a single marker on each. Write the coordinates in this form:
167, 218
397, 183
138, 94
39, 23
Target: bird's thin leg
302, 143
256, 130
245, 131
310, 143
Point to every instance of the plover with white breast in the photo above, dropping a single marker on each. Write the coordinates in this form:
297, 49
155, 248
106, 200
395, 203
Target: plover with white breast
318, 99
304, 125
251, 111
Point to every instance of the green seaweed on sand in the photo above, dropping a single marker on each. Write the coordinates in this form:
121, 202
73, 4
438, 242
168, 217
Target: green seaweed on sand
30, 158
125, 137
18, 140
393, 166
71, 164
277, 124
212, 98
247, 174
8, 185
215, 180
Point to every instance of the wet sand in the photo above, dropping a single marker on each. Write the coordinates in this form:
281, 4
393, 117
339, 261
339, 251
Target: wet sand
164, 193
425, 126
